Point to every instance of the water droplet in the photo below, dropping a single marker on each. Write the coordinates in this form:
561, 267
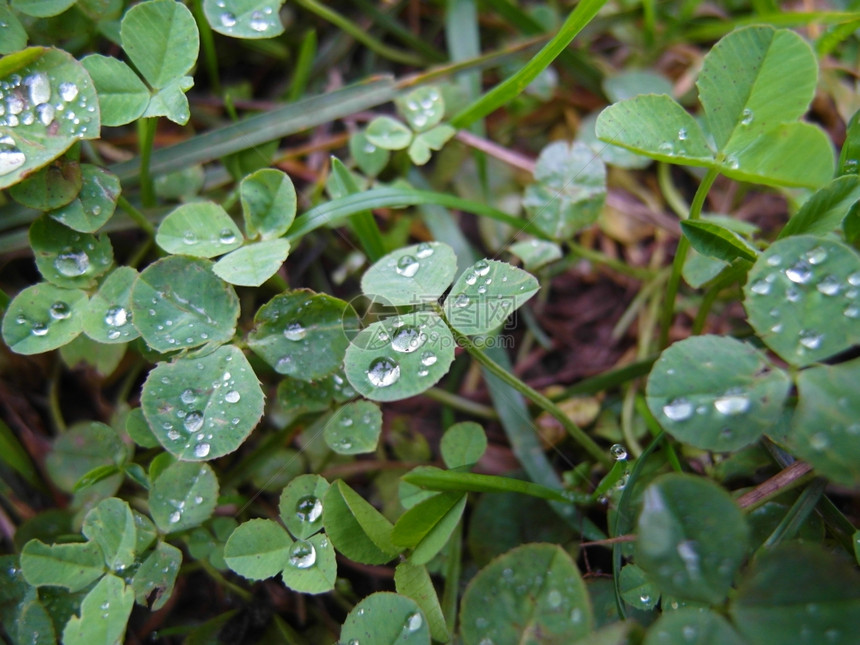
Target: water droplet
462, 300
819, 441
618, 452
747, 116
39, 329
226, 236
68, 91
666, 148
774, 260
201, 450
175, 516
679, 409
309, 508
800, 272
732, 162
173, 435
829, 286
682, 134
554, 598
575, 615
40, 88
232, 396
689, 632
72, 264
428, 359
116, 316
295, 331
45, 113
258, 22
407, 339
188, 396
482, 268
792, 294
11, 158
854, 279
413, 622
227, 19
852, 311
760, 287
383, 372
645, 598
303, 555
425, 250
407, 266
198, 499
189, 238
732, 402
817, 255
60, 310
193, 421
811, 339
471, 279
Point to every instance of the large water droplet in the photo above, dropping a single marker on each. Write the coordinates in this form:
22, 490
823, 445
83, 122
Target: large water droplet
40, 88
829, 286
462, 300
226, 236
45, 113
258, 22
227, 19
295, 331
116, 316
11, 158
383, 372
854, 279
193, 421
679, 409
303, 555
68, 91
407, 266
309, 508
424, 250
39, 329
732, 402
413, 622
72, 263
188, 396
852, 311
428, 359
471, 279
482, 268
800, 272
232, 396
760, 287
618, 452
175, 516
201, 450
407, 339
811, 339
60, 310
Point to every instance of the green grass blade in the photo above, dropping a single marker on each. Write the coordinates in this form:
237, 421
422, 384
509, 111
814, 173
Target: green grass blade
513, 86
448, 480
337, 209
12, 453
362, 223
261, 128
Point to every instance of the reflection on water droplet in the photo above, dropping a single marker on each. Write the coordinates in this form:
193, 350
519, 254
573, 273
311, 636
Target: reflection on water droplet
116, 316
226, 236
810, 339
258, 22
175, 516
45, 113
760, 287
193, 421
407, 266
817, 255
39, 329
383, 372
854, 279
11, 158
618, 452
201, 450
40, 88
72, 263
853, 311
227, 19
303, 555
682, 134
800, 272
60, 310
829, 286
679, 409
68, 92
428, 359
309, 508
462, 300
732, 402
407, 339
424, 250
471, 279
747, 116
188, 396
482, 268
232, 396
413, 622
295, 331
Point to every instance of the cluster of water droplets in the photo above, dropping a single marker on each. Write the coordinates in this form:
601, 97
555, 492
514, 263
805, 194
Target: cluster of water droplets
403, 338
57, 311
476, 274
805, 274
258, 20
422, 110
31, 101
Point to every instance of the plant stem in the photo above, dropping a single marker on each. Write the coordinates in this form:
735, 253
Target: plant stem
208, 43
785, 480
146, 137
213, 573
357, 32
54, 400
138, 217
460, 403
578, 251
578, 435
680, 256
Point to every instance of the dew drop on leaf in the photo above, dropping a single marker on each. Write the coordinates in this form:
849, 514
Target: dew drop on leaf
116, 316
413, 622
462, 300
428, 358
383, 372
193, 421
232, 396
201, 450
800, 272
482, 268
11, 158
60, 310
407, 266
810, 339
227, 19
407, 339
39, 329
760, 287
226, 236
303, 555
295, 331
188, 397
309, 508
618, 452
72, 263
732, 402
424, 250
747, 116
829, 286
679, 409
175, 516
